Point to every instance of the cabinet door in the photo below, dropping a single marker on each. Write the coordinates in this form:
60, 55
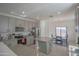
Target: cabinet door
30, 25
26, 25
12, 25
3, 24
20, 23
77, 19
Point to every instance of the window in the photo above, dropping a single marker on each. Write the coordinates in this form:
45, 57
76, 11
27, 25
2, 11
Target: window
61, 31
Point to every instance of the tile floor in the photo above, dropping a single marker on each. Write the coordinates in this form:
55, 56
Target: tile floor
5, 51
24, 50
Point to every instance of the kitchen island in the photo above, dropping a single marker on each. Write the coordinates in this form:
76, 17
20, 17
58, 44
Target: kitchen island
44, 45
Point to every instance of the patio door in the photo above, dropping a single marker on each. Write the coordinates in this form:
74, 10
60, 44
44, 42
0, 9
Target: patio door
61, 31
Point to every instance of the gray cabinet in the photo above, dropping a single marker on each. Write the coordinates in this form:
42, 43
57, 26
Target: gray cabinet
20, 23
77, 22
30, 40
44, 45
11, 25
77, 19
3, 24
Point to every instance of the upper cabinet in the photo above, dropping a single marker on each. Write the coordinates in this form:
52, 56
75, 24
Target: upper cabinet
20, 23
3, 24
8, 24
29, 25
11, 24
26, 23
77, 18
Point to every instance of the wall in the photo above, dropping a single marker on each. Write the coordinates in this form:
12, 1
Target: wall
67, 19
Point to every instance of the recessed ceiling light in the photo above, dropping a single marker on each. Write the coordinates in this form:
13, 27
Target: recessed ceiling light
11, 12
23, 12
59, 12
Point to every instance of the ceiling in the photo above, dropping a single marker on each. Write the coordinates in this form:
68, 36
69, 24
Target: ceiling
34, 10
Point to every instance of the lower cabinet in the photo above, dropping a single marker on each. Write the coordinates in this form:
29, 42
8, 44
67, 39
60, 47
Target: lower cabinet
30, 40
44, 47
